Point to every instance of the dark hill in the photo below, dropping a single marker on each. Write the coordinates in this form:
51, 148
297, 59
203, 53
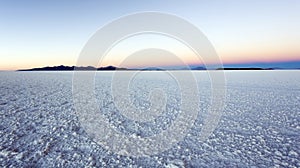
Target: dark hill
72, 68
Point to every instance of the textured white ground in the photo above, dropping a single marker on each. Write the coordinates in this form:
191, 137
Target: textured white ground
260, 125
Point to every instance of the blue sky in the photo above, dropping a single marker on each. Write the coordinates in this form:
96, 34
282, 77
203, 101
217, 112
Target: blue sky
40, 33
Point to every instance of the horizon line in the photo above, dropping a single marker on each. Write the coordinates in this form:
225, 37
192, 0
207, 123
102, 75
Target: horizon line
170, 66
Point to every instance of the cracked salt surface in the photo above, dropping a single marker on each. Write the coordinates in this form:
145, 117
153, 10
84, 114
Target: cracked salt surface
260, 125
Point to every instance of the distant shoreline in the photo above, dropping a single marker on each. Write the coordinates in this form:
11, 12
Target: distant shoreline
112, 68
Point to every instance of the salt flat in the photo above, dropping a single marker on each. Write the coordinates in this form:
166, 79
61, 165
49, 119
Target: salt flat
260, 124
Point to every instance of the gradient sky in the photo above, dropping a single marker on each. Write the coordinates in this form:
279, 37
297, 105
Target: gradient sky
40, 33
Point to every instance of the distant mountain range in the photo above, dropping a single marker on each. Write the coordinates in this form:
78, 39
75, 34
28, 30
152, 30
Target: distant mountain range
71, 68
245, 66
112, 68
107, 68
266, 65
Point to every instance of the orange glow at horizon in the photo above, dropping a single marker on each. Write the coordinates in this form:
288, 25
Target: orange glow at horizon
228, 54
267, 58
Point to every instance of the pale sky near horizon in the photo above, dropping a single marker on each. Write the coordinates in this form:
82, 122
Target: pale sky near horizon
42, 33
